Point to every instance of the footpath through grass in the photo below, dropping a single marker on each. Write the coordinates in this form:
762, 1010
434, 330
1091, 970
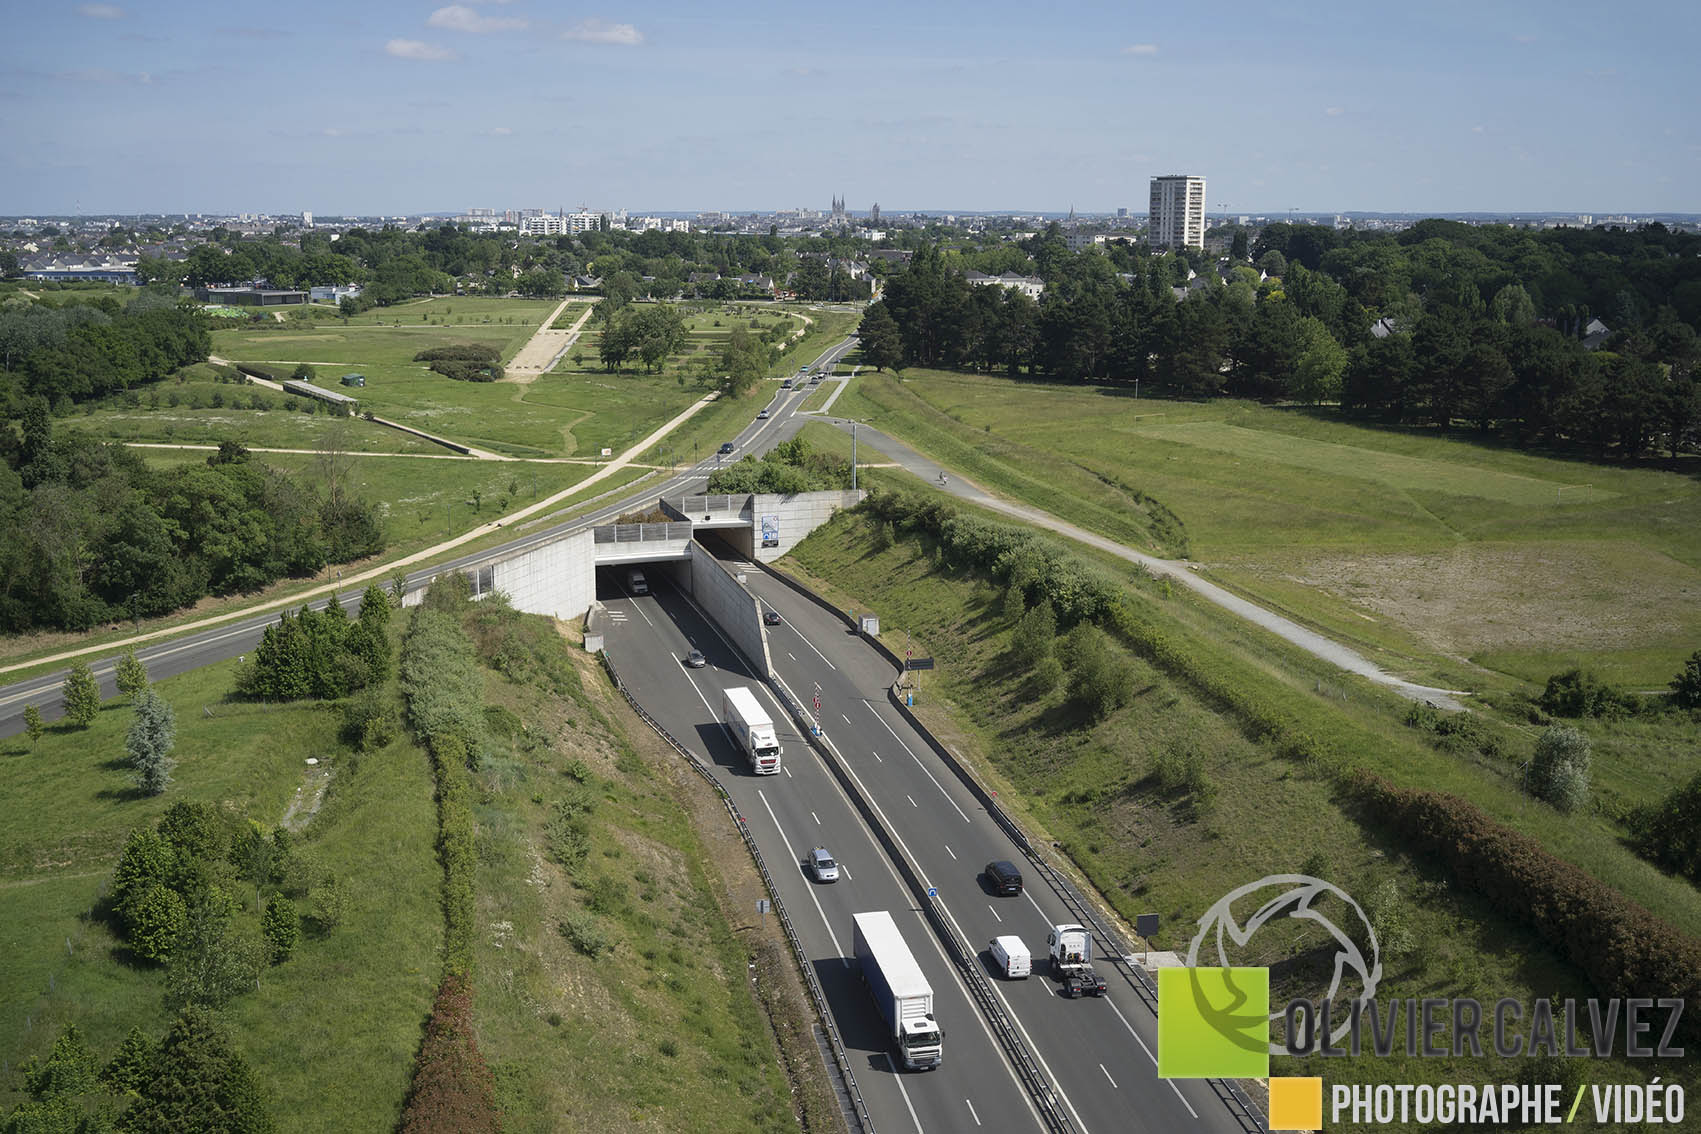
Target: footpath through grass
1168, 803
1422, 549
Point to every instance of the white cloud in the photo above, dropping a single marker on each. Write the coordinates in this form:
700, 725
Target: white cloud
595, 31
101, 11
501, 131
332, 132
1140, 49
459, 17
1333, 111
415, 49
1477, 129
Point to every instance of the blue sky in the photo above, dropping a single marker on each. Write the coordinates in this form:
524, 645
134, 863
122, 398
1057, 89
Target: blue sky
385, 106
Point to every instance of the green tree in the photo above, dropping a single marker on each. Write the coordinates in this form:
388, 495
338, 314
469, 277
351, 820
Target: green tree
281, 928
68, 1071
197, 1082
302, 372
1391, 919
1321, 363
129, 1067
148, 860
882, 345
153, 732
156, 923
82, 695
210, 963
1559, 771
195, 830
131, 675
33, 728
1101, 681
1686, 686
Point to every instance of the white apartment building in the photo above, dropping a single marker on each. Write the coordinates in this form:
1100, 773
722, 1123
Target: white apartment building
1177, 216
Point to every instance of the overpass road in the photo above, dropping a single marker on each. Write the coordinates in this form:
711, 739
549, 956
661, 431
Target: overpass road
1099, 1054
240, 635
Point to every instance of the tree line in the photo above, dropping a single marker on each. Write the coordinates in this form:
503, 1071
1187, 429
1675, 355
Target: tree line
89, 533
1443, 325
91, 346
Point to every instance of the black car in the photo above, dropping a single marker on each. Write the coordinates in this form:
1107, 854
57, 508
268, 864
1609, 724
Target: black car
1006, 880
727, 447
770, 618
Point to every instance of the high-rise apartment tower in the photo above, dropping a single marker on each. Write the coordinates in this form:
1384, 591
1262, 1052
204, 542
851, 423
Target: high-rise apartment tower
1177, 218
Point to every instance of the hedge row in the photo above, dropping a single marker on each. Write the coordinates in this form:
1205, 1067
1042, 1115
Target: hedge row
469, 371
1625, 950
460, 352
440, 682
259, 370
453, 1088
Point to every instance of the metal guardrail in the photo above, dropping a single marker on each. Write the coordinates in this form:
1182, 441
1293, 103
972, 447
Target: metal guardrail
640, 533
864, 1120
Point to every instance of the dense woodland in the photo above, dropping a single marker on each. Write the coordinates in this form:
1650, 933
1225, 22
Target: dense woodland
1486, 326
89, 533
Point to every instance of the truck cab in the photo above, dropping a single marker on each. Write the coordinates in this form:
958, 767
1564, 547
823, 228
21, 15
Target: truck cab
1071, 950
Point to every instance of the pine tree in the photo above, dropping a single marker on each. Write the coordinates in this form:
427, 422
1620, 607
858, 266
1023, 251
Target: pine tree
129, 1068
198, 1081
33, 728
882, 345
82, 695
152, 734
131, 675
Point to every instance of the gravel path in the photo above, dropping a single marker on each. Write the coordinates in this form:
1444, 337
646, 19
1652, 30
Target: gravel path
1180, 572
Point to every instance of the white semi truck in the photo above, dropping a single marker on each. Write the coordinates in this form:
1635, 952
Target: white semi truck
899, 989
743, 716
1071, 948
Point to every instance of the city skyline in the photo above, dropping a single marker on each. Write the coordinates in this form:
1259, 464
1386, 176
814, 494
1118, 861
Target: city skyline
395, 107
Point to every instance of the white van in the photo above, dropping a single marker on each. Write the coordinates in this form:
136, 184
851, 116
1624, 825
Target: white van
1011, 957
635, 583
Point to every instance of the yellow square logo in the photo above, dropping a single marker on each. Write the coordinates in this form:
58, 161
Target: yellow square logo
1296, 1104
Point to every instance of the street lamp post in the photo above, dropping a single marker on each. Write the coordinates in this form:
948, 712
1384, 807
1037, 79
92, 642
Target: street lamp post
853, 456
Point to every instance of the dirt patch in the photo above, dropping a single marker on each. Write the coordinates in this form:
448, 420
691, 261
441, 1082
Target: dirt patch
1549, 596
308, 798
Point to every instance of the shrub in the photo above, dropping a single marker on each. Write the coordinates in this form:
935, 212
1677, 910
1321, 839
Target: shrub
1686, 686
1559, 772
1579, 693
369, 721
1102, 681
33, 725
131, 676
460, 352
1668, 833
585, 934
469, 371
1031, 641
195, 831
156, 922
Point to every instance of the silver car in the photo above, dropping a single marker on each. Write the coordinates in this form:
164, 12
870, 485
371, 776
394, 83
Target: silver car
823, 866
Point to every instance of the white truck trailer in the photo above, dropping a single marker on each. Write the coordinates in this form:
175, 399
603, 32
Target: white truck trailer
743, 716
899, 989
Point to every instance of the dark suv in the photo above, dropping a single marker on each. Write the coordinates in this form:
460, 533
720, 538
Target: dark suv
1005, 879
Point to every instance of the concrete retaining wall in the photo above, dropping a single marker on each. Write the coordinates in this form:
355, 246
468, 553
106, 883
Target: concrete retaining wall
557, 578
783, 521
731, 606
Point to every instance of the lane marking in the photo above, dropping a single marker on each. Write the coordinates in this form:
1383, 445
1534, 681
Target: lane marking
950, 852
791, 655
876, 755
898, 1078
781, 831
972, 1113
815, 817
995, 913
786, 770
1107, 1076
917, 760
1149, 1055
911, 798
818, 653
844, 718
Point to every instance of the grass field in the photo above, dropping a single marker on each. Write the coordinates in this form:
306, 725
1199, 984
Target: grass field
363, 988
1168, 804
660, 1034
1425, 550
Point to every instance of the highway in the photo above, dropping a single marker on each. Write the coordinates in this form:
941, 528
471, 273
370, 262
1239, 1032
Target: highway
1098, 1054
240, 635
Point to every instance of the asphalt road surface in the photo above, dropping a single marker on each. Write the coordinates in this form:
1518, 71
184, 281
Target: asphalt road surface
1098, 1054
